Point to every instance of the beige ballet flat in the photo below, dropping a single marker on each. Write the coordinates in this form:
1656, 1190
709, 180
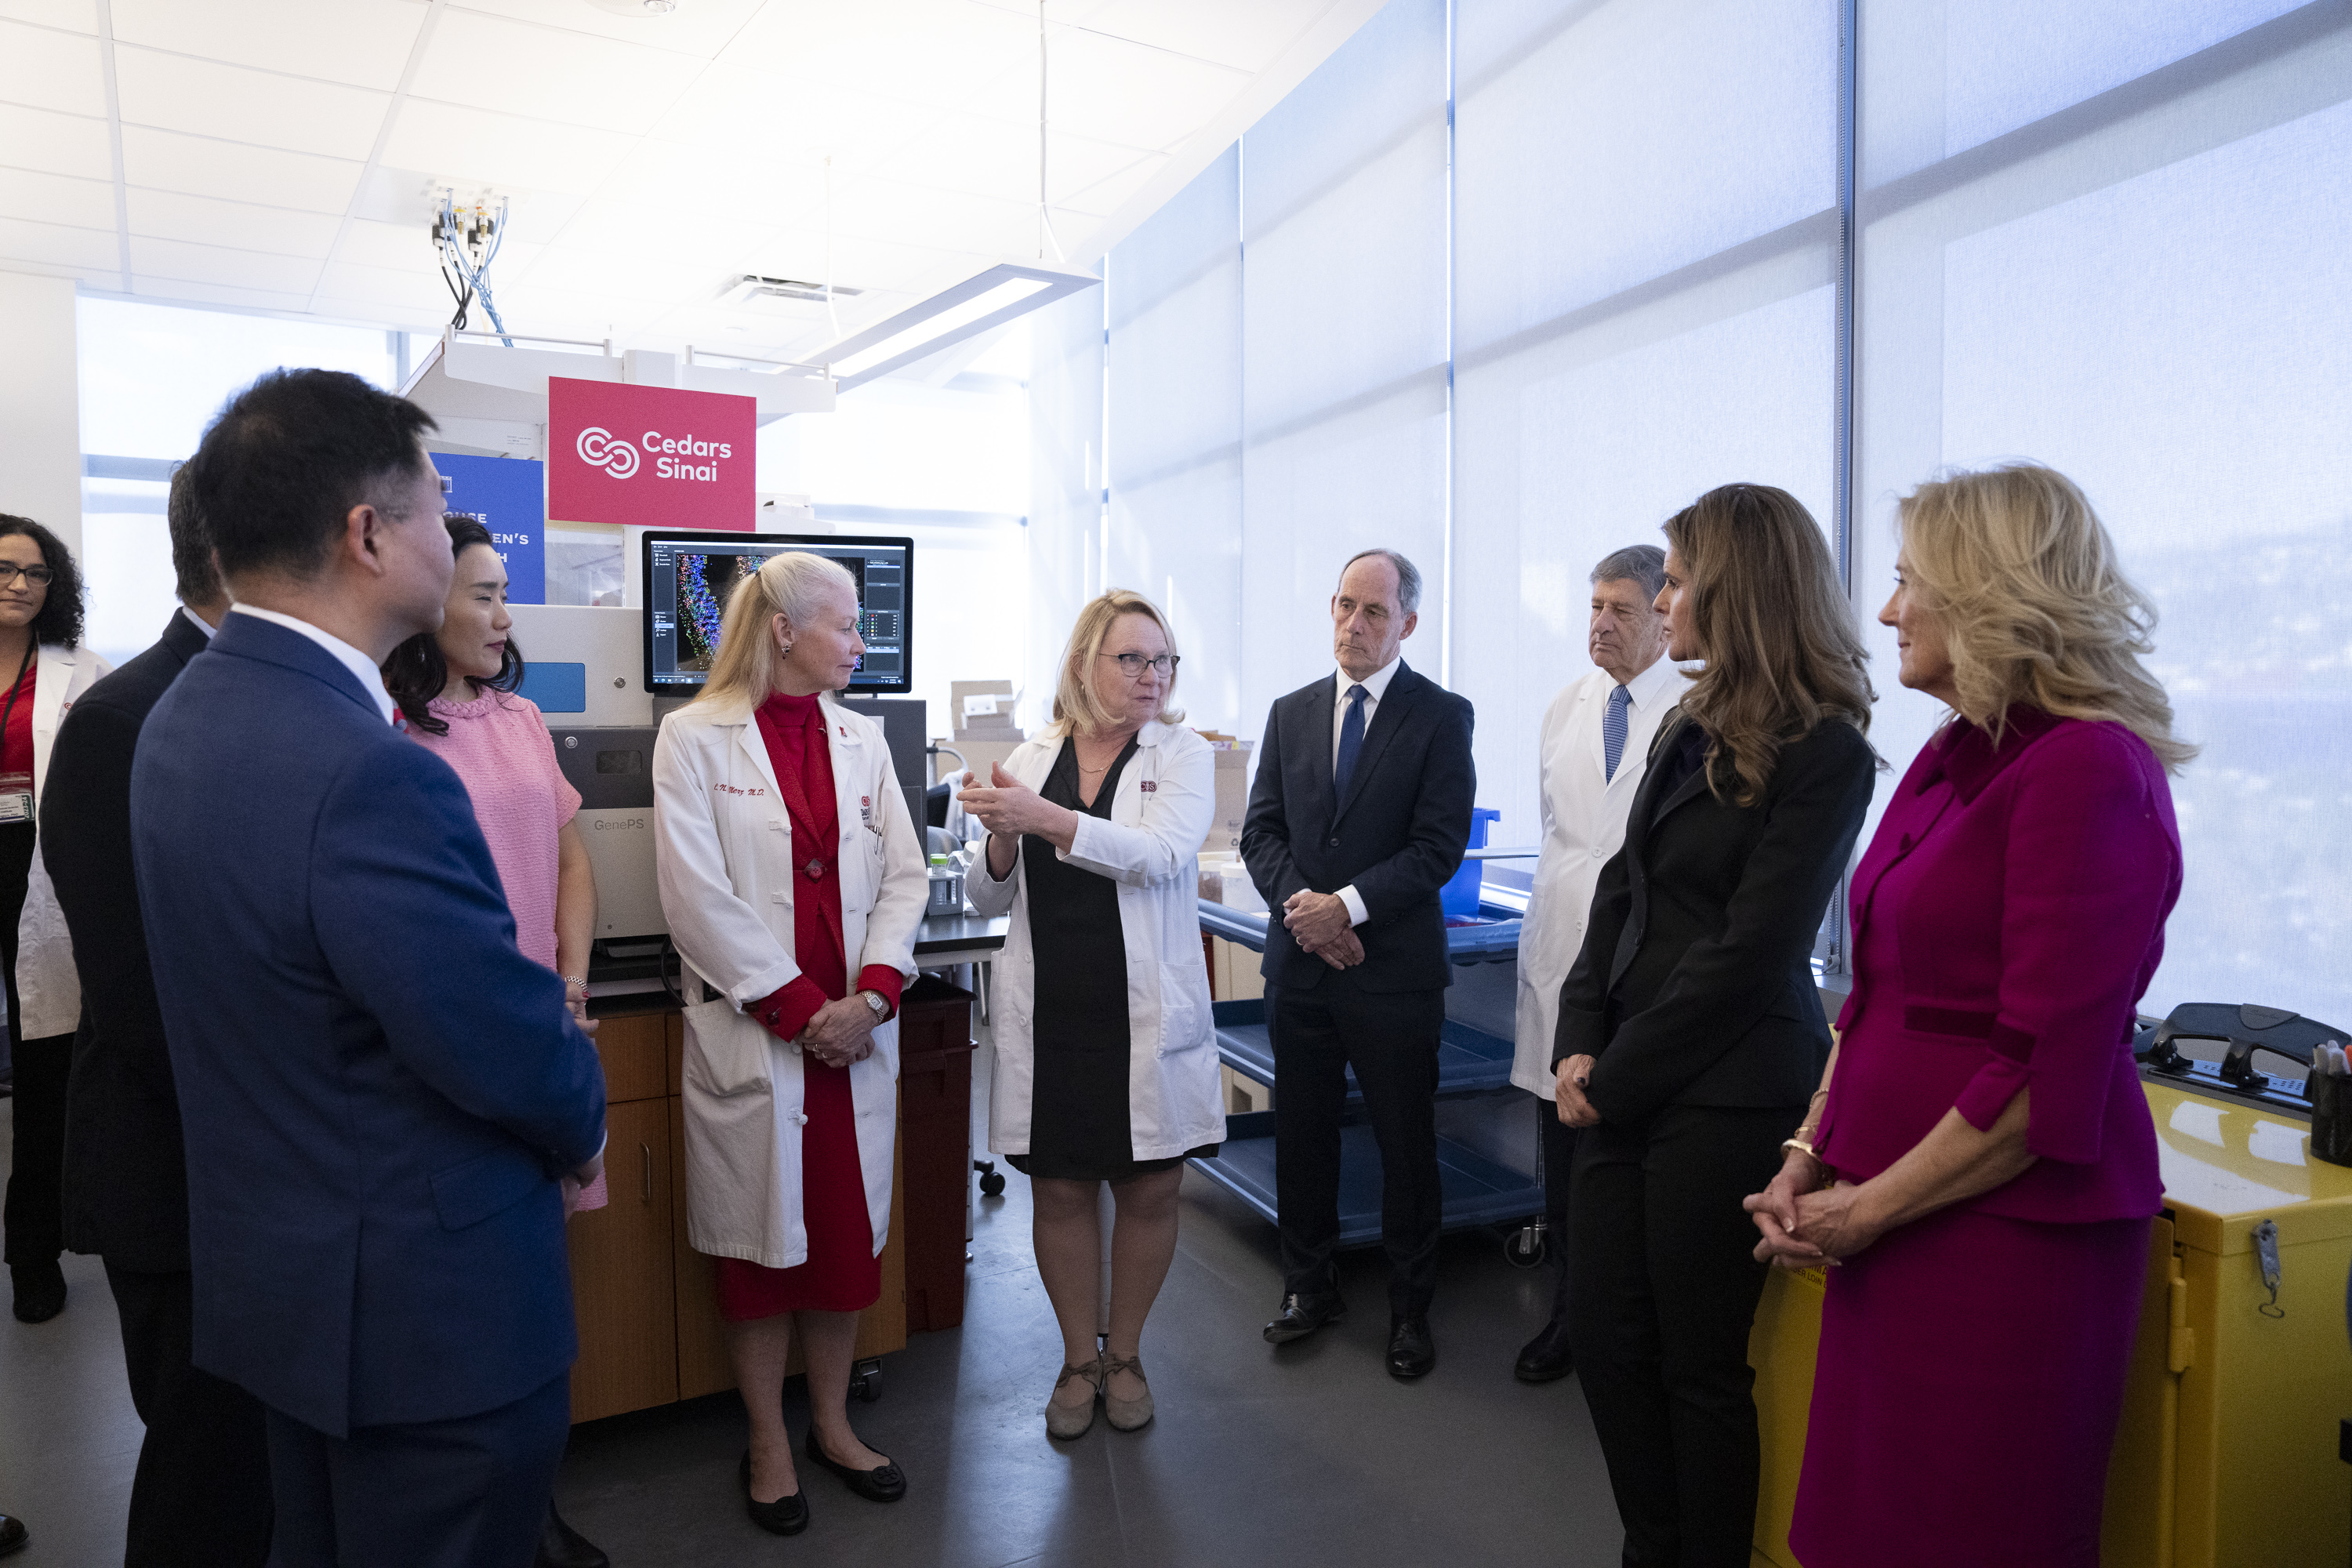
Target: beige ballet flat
1126, 1415
1067, 1421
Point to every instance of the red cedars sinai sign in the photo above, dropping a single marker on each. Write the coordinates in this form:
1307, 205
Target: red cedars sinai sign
653, 456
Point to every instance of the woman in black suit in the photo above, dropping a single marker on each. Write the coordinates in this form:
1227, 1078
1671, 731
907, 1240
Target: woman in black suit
1691, 1035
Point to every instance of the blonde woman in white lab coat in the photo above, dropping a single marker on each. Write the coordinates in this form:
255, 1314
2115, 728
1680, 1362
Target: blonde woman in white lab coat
1105, 1066
46, 672
1594, 750
792, 882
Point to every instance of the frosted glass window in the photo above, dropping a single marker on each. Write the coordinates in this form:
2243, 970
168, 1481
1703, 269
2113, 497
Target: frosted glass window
1621, 341
1344, 346
2064, 308
1602, 146
1174, 301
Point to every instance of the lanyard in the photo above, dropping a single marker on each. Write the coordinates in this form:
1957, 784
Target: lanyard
9, 711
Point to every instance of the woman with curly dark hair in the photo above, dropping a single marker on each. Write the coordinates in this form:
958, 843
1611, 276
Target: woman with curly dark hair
46, 670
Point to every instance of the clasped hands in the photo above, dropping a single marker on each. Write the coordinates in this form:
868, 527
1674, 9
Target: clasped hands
1806, 1225
1319, 925
841, 1033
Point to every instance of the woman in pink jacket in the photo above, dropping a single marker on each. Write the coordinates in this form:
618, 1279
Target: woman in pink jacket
1981, 1158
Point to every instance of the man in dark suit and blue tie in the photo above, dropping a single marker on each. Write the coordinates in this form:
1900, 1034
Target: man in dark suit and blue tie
379, 1092
1360, 813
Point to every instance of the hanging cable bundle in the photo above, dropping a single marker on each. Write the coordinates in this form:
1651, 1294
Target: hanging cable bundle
467, 240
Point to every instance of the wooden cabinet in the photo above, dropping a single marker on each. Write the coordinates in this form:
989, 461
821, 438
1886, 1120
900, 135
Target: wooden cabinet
647, 1303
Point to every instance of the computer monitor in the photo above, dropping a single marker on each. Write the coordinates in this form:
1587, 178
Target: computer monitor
689, 576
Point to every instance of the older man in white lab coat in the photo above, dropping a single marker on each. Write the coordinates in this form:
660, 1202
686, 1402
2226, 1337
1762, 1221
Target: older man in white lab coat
1595, 747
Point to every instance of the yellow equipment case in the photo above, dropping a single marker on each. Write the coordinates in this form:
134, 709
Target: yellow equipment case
2227, 1453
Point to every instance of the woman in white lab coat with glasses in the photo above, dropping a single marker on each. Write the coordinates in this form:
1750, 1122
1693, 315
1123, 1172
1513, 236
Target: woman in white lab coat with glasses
1105, 1066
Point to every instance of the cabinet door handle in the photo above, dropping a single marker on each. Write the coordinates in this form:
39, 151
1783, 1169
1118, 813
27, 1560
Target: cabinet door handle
645, 1158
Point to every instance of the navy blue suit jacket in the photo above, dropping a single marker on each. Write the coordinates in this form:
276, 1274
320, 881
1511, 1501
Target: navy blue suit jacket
1396, 837
378, 1090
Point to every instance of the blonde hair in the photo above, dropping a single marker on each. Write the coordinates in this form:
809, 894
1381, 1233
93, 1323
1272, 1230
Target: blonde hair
2022, 577
1772, 621
790, 584
1075, 706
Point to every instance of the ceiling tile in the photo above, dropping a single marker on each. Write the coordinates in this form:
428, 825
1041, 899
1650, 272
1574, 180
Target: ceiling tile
700, 29
217, 264
857, 263
77, 16
200, 166
995, 158
490, 62
650, 279
407, 287
198, 293
207, 220
57, 198
731, 108
59, 244
503, 151
1106, 196
173, 92
391, 245
41, 68
362, 43
55, 144
919, 51
565, 313
1113, 90
873, 208
1247, 35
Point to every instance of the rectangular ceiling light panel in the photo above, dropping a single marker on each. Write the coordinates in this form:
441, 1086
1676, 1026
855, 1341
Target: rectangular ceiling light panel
979, 303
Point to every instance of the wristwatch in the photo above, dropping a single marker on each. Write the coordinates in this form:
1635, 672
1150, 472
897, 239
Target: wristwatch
874, 1000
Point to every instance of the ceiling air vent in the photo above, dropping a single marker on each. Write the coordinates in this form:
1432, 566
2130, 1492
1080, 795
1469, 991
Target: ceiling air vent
753, 290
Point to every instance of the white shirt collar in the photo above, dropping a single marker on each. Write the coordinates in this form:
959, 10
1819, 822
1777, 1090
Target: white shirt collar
363, 669
1375, 685
1662, 681
198, 622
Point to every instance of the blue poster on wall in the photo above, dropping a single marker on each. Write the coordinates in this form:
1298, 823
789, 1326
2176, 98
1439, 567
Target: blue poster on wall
508, 497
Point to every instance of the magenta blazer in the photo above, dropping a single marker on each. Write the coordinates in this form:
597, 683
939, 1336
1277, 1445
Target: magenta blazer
2005, 920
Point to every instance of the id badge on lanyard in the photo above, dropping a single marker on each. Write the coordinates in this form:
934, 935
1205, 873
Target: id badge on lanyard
15, 798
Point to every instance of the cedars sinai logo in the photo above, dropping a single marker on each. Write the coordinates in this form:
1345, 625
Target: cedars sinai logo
599, 450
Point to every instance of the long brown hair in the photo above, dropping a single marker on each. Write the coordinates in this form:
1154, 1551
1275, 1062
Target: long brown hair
1773, 623
2034, 605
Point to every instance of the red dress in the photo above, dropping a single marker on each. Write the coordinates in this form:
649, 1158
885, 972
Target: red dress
842, 1274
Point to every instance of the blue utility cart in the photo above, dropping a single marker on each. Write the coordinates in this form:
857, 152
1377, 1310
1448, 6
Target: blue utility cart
1472, 1065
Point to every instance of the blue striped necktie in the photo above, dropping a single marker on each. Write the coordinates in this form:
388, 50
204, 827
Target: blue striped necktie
1612, 731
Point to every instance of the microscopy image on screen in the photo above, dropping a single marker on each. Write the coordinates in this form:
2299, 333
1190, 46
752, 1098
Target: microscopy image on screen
705, 583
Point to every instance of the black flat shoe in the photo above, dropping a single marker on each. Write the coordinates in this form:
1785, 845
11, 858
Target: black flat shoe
785, 1516
1412, 1351
884, 1483
40, 1290
13, 1536
561, 1546
1545, 1358
1302, 1314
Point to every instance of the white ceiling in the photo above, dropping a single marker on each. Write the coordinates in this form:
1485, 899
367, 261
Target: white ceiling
280, 154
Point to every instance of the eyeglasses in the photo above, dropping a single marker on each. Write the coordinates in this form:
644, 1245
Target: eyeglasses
1133, 664
38, 577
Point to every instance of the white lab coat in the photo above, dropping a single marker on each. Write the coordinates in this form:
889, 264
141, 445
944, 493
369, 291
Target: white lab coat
1159, 817
48, 988
1584, 816
724, 863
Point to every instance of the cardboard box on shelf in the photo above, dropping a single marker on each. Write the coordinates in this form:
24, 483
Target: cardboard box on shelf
977, 755
1233, 792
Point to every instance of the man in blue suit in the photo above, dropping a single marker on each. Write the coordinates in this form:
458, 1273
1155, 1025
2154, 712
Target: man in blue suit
380, 1093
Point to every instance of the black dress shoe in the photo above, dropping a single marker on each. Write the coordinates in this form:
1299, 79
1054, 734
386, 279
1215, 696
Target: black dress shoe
1302, 1314
785, 1516
1545, 1358
561, 1546
13, 1536
885, 1483
1410, 1349
40, 1290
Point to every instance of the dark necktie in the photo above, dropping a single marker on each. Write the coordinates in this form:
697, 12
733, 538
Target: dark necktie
1351, 741
1612, 731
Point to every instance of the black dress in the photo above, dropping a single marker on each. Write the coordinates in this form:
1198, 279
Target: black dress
1081, 1050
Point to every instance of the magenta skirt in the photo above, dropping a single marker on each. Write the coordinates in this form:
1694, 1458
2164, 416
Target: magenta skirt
1970, 1378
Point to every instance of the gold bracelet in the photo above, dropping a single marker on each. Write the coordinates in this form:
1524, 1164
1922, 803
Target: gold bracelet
1801, 1143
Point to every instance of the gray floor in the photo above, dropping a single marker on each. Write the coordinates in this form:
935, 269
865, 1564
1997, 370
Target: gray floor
1308, 1456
